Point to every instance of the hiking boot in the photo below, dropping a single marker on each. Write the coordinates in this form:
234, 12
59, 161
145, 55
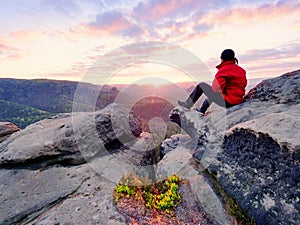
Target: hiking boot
183, 104
200, 112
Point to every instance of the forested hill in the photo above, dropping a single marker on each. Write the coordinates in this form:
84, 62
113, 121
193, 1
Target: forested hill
26, 101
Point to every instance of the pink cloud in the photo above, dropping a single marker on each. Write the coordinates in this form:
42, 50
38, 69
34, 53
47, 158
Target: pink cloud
26, 34
241, 15
107, 23
4, 48
24, 39
110, 20
9, 52
186, 30
160, 9
110, 23
283, 52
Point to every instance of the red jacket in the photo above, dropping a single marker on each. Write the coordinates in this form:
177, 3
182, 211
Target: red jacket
231, 81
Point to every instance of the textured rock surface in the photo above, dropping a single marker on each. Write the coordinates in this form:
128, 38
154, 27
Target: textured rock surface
180, 161
175, 141
262, 178
90, 203
26, 192
63, 170
282, 90
56, 140
253, 149
259, 164
6, 129
188, 211
45, 178
282, 127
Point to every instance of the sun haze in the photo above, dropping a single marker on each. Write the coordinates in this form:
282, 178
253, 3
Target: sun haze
63, 39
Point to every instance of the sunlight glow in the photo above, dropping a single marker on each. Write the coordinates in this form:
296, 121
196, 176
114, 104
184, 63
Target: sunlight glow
264, 35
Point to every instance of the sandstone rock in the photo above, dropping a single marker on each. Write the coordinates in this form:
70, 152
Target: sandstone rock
44, 175
57, 195
280, 90
206, 133
253, 149
63, 170
175, 141
281, 127
259, 166
261, 176
70, 138
179, 161
25, 192
91, 203
6, 129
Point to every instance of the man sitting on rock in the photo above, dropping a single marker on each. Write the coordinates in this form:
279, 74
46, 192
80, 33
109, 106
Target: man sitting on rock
228, 86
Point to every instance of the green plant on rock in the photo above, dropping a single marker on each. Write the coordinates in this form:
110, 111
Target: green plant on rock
124, 189
164, 195
167, 197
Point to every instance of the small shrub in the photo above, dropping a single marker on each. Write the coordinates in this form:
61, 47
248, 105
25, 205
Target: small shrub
163, 196
122, 190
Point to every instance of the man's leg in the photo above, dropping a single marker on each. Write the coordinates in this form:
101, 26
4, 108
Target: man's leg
205, 105
212, 96
194, 96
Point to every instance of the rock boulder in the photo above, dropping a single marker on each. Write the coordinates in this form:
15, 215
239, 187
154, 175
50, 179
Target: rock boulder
70, 138
281, 90
6, 129
253, 149
45, 177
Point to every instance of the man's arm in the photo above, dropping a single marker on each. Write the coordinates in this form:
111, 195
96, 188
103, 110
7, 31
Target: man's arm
219, 83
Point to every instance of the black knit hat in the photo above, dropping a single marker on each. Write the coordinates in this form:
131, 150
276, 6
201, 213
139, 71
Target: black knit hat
228, 54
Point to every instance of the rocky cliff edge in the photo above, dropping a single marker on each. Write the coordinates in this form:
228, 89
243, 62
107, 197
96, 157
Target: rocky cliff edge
253, 149
63, 170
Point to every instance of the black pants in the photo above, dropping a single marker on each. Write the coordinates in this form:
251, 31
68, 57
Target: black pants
211, 95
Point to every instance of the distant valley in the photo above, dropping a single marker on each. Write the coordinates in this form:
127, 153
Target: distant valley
24, 102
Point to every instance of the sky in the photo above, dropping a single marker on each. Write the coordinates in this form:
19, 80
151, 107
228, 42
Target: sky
64, 39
